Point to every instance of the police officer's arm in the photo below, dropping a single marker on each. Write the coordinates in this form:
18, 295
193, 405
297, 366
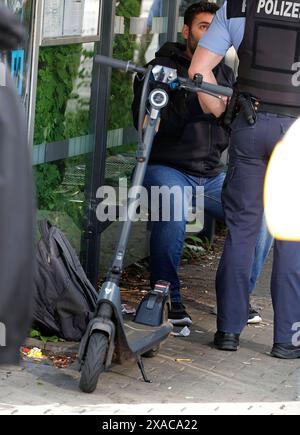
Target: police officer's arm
212, 48
204, 61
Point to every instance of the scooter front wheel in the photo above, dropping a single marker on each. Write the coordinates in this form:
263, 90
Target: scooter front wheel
94, 363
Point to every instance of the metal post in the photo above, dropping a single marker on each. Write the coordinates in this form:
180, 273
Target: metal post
37, 37
90, 256
173, 16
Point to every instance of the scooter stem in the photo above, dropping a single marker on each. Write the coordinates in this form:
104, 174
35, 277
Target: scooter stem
152, 124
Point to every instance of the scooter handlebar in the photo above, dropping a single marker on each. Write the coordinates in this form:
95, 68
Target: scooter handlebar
127, 66
187, 84
210, 88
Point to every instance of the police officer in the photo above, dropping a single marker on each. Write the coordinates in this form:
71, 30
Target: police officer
266, 35
186, 152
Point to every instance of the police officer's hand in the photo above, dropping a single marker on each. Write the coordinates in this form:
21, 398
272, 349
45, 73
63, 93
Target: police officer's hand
11, 32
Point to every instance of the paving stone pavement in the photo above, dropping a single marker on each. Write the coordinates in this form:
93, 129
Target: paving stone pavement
214, 382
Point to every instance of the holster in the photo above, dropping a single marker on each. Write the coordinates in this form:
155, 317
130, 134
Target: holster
240, 103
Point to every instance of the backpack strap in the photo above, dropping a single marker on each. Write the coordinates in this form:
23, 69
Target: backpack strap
44, 227
65, 246
73, 261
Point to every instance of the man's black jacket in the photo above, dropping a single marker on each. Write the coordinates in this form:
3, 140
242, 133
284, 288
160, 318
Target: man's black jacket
188, 139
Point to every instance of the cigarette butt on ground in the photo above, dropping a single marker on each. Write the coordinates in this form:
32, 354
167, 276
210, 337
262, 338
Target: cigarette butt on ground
183, 360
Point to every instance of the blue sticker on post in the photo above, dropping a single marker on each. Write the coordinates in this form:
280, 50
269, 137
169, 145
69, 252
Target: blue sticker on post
17, 68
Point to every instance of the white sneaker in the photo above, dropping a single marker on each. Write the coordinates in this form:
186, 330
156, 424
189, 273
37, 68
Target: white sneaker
178, 316
253, 319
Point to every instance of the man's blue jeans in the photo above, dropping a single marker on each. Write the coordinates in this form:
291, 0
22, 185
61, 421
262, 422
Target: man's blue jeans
167, 238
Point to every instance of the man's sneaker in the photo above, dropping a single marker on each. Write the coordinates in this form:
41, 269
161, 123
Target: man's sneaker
253, 319
254, 316
285, 351
178, 316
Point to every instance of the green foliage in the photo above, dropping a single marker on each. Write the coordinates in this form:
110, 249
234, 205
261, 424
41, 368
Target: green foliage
37, 335
48, 179
58, 69
77, 123
129, 8
121, 86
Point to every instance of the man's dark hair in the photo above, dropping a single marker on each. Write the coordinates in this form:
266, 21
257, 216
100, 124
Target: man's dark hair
198, 8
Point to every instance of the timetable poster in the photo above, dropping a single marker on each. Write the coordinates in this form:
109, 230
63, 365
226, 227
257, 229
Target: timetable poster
53, 18
63, 18
71, 18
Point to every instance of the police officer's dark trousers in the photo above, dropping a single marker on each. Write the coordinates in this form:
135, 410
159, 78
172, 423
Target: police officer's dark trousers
251, 148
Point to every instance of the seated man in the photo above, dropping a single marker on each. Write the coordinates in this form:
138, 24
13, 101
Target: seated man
187, 152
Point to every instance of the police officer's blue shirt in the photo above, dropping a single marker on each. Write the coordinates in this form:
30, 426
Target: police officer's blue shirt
224, 33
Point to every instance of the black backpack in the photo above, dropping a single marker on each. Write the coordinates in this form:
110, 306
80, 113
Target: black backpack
65, 300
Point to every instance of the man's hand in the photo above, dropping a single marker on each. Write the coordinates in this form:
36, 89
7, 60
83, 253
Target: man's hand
11, 31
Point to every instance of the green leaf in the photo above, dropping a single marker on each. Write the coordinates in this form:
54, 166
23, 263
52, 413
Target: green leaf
34, 333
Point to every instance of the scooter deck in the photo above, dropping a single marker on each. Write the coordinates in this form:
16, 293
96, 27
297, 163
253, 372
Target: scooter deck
142, 338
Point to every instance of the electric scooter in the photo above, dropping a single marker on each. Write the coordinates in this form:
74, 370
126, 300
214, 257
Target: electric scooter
108, 335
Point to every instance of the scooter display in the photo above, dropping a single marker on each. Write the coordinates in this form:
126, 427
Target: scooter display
108, 335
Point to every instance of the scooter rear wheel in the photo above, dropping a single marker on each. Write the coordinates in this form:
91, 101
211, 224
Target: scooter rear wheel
152, 353
94, 363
